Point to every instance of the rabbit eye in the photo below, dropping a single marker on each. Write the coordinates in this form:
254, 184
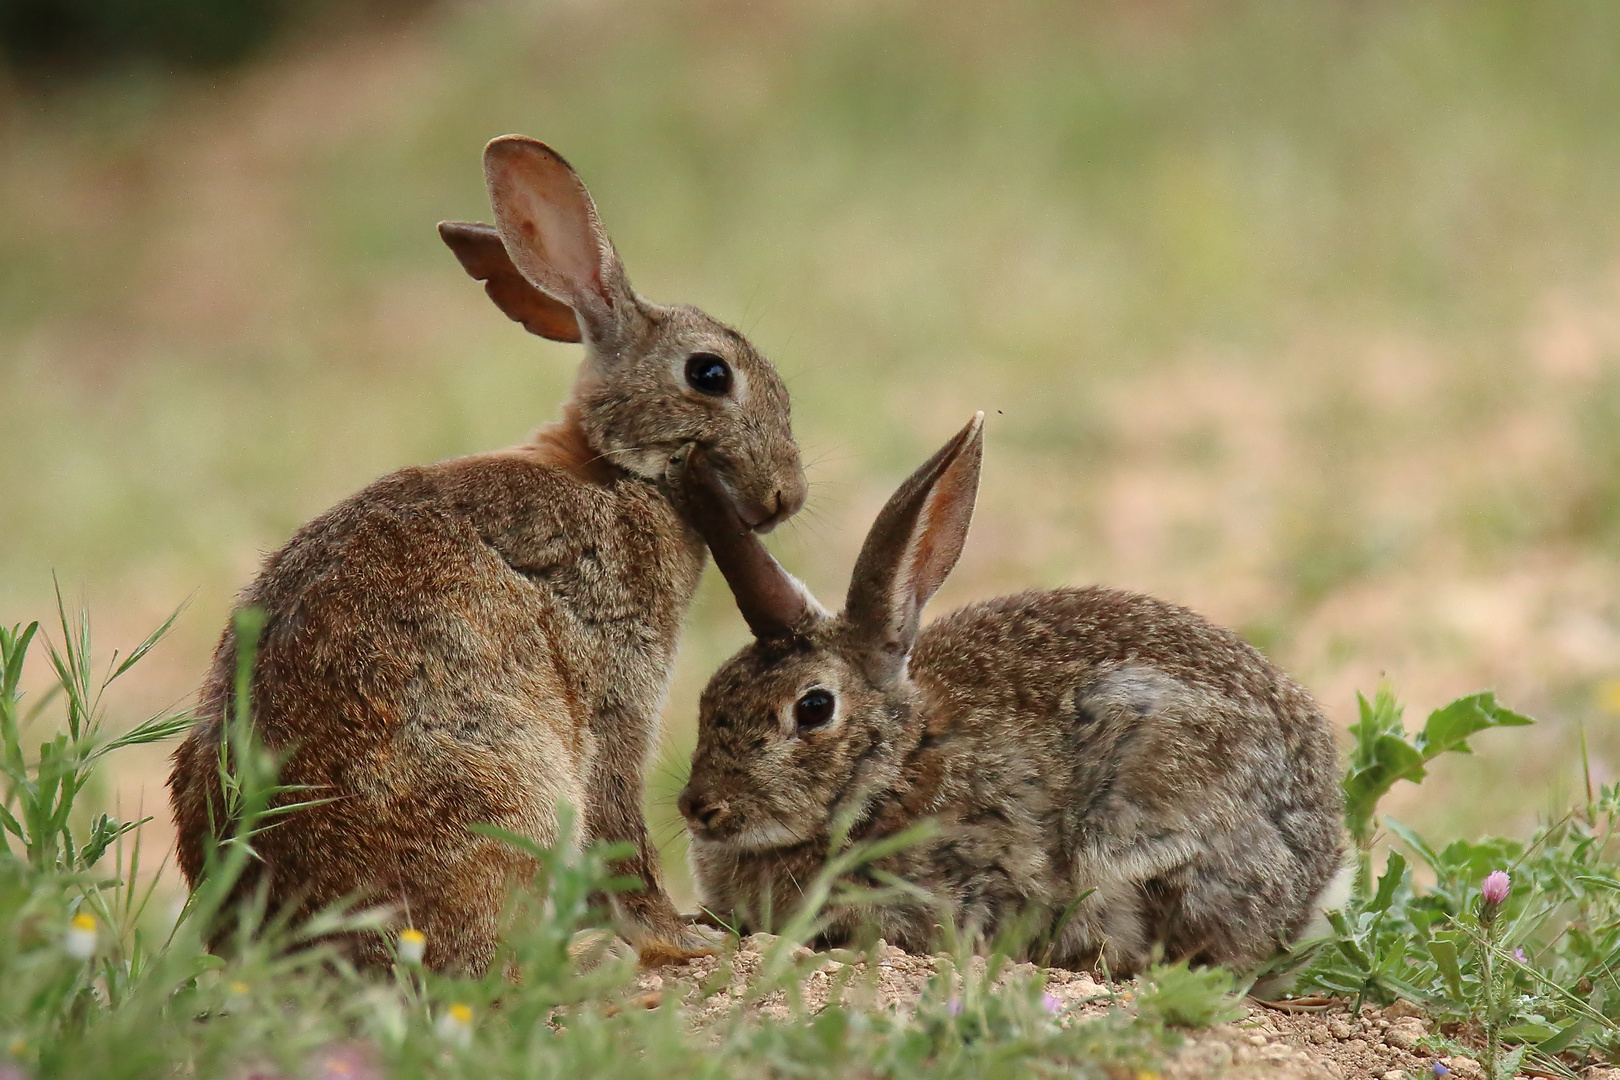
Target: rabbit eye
814, 709
708, 374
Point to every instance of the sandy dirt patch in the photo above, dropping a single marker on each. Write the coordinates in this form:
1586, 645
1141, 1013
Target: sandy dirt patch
1326, 1043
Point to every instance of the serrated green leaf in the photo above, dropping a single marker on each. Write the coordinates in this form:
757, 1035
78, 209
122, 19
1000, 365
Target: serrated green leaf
1411, 839
1391, 758
1449, 727
1353, 953
1388, 883
1381, 716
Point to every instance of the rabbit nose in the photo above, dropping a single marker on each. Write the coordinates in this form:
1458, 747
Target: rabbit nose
700, 810
777, 509
790, 502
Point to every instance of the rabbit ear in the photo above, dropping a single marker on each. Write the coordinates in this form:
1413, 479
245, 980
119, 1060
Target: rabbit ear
484, 257
549, 227
772, 601
913, 545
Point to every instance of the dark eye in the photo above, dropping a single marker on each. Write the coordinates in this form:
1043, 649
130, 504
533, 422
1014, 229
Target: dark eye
708, 374
814, 709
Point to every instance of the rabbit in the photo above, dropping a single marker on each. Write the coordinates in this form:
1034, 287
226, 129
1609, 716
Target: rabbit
1133, 780
485, 638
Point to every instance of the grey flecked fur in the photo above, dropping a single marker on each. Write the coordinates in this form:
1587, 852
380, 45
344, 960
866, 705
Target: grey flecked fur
1062, 740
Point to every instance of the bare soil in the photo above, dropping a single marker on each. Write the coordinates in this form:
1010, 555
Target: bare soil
1320, 1042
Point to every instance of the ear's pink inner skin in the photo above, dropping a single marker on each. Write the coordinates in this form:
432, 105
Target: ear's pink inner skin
915, 541
546, 218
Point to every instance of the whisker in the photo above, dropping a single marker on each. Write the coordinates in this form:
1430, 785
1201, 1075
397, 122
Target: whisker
748, 328
809, 525
624, 450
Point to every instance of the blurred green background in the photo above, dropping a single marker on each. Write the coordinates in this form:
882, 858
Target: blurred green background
1304, 315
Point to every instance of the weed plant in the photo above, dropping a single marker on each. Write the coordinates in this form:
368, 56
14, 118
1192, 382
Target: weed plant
98, 983
1539, 966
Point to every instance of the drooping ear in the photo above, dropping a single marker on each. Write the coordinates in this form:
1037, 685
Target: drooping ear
549, 227
479, 250
912, 546
772, 601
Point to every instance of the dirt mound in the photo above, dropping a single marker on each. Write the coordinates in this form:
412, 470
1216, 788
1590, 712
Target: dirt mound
1326, 1043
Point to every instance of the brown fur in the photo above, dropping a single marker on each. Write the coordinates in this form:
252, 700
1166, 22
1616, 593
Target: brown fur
485, 638
1062, 741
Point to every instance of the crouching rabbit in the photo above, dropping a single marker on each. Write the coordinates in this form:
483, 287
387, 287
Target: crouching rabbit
1140, 781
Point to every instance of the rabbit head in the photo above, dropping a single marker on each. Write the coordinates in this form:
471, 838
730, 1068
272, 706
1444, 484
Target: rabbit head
804, 725
655, 379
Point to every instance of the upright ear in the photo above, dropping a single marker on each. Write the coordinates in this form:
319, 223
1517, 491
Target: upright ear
913, 545
482, 255
549, 227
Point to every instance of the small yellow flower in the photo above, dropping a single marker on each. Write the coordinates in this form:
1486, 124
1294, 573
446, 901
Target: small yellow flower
236, 996
412, 945
455, 1025
17, 1047
1146, 1074
80, 940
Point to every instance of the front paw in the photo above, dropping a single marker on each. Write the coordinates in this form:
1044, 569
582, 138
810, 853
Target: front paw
679, 946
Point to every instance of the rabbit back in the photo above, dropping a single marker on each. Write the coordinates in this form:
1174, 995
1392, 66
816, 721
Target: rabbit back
435, 651
1122, 743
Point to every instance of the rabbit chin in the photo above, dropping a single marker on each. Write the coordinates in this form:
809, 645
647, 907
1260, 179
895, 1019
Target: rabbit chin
756, 837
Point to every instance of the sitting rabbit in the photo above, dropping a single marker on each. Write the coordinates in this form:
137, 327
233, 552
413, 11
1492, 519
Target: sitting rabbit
1140, 780
484, 638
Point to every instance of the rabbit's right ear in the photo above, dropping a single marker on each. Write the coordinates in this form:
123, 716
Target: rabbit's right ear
549, 227
912, 546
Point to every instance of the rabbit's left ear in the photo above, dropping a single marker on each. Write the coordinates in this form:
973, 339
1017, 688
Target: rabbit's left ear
482, 255
913, 545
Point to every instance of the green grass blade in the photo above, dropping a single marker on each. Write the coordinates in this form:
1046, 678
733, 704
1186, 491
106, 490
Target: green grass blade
146, 646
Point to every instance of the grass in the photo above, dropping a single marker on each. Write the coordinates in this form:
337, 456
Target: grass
101, 982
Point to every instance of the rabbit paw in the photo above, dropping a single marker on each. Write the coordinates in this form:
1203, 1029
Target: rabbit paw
686, 944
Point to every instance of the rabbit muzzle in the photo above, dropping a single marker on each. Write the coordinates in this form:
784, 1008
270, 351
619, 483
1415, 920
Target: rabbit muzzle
764, 516
708, 815
759, 514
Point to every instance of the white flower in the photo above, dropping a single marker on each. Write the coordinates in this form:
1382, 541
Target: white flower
80, 940
455, 1025
412, 944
